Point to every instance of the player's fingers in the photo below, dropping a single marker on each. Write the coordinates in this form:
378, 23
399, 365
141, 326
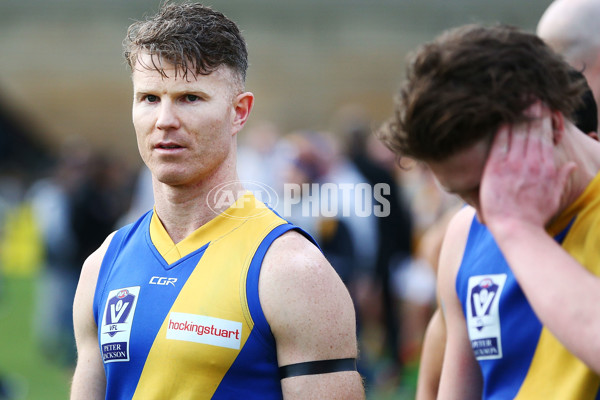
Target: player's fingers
535, 137
501, 143
546, 129
520, 133
518, 136
534, 111
565, 172
539, 136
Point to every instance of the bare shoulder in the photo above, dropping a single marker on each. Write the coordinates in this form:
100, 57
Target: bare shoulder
84, 296
295, 259
461, 222
305, 302
451, 254
297, 253
456, 235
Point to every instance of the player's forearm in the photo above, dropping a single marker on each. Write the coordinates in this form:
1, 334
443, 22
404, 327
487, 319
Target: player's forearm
564, 295
432, 357
87, 383
461, 377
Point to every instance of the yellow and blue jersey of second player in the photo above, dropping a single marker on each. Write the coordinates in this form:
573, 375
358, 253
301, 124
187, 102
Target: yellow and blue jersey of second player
519, 357
184, 320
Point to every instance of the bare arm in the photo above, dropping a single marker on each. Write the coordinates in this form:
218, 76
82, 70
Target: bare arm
549, 276
521, 191
461, 376
434, 341
311, 316
432, 358
89, 381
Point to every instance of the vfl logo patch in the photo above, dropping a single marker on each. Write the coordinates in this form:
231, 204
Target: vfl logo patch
116, 324
203, 329
483, 317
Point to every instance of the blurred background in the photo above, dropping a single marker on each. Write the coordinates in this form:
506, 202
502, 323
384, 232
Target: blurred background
324, 73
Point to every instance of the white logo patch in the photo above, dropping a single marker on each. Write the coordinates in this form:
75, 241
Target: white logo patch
116, 323
483, 317
203, 329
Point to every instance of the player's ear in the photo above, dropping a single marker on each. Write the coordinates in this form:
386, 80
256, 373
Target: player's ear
242, 106
558, 126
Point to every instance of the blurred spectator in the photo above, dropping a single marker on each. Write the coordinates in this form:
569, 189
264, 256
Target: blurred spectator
75, 208
262, 155
393, 240
309, 204
142, 197
50, 199
99, 202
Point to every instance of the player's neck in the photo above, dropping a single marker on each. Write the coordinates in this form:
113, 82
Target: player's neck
586, 153
184, 209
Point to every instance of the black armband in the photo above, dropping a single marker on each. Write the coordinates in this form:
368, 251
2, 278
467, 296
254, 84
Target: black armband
317, 367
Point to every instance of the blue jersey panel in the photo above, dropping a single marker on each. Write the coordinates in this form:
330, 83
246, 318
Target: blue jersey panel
159, 284
234, 384
519, 326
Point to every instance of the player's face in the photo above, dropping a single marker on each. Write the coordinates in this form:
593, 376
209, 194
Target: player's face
185, 127
461, 173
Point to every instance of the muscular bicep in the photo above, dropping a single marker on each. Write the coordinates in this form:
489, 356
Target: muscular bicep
312, 319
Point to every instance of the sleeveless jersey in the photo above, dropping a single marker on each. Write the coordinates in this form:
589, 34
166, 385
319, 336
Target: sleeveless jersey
519, 358
184, 321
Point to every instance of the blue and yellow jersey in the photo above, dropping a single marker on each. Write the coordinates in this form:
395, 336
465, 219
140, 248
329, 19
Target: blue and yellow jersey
184, 321
518, 356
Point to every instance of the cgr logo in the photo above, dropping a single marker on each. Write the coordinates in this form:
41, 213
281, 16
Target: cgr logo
162, 281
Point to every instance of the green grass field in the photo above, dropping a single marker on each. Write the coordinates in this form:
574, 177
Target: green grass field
32, 375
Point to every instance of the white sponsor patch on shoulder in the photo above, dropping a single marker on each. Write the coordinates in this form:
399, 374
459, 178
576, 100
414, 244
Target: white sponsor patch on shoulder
483, 317
204, 329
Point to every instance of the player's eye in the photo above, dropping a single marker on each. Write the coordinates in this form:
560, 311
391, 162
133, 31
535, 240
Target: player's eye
151, 98
191, 98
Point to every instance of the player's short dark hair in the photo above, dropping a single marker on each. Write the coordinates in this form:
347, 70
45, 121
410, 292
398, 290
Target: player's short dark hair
464, 85
586, 115
191, 36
